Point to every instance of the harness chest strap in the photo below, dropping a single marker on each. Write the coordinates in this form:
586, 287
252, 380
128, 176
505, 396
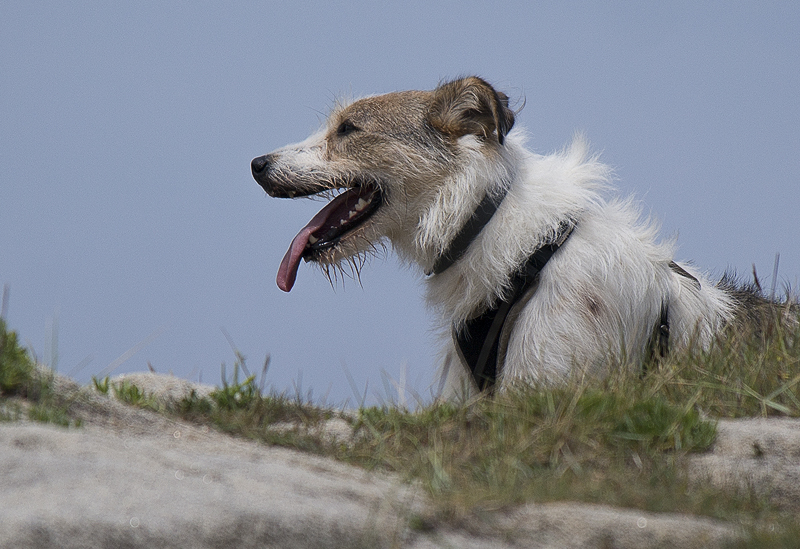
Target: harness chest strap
482, 342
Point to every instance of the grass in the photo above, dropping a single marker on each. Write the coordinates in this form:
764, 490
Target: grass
240, 408
16, 367
623, 440
26, 389
126, 392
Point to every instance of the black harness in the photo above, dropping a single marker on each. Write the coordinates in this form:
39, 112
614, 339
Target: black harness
482, 341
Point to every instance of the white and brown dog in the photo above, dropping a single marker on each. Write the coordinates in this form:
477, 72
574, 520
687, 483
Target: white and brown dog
533, 272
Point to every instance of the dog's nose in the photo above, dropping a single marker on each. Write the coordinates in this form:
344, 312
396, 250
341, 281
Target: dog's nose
259, 167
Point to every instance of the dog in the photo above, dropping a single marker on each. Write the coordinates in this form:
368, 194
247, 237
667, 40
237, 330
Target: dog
533, 273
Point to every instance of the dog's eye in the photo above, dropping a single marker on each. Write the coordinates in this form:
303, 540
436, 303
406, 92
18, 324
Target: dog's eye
346, 128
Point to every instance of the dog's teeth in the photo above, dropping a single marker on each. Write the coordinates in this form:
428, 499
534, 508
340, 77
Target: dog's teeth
360, 205
312, 239
351, 214
342, 222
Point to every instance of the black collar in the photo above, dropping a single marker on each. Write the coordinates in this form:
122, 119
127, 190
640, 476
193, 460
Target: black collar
474, 225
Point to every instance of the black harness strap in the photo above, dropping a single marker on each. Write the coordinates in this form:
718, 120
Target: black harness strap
479, 341
659, 340
677, 269
658, 344
662, 332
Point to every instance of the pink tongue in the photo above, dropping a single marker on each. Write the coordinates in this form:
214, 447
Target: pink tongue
287, 272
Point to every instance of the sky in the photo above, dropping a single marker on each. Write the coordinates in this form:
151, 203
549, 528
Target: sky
132, 232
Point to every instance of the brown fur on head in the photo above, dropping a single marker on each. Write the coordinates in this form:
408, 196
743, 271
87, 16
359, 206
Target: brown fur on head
471, 106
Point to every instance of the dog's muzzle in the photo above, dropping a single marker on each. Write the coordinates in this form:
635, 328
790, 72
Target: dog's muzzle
260, 168
340, 218
279, 185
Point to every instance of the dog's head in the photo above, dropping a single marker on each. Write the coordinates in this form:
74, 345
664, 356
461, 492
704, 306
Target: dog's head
386, 154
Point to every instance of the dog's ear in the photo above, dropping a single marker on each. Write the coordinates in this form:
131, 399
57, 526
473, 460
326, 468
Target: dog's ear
471, 106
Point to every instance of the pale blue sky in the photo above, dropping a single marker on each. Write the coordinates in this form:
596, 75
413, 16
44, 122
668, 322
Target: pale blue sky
126, 130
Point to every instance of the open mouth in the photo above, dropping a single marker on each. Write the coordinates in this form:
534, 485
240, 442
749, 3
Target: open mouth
340, 217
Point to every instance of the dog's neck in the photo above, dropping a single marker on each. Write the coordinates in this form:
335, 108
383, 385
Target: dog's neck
471, 229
